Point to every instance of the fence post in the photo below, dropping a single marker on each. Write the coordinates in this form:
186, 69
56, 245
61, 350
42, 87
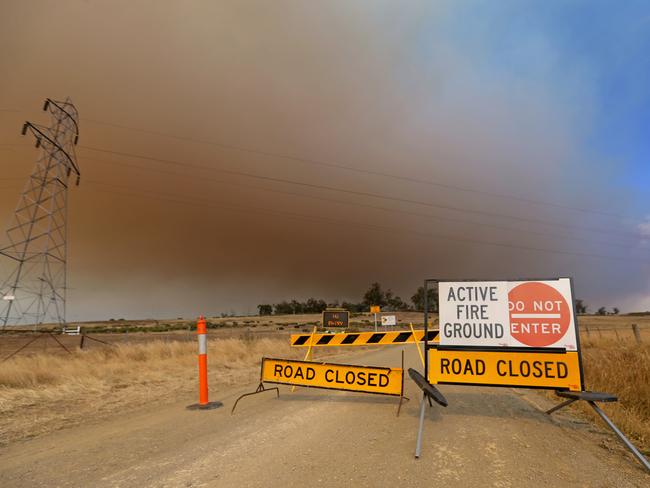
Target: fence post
637, 333
587, 329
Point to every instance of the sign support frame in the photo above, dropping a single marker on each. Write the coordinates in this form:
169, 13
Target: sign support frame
590, 397
260, 389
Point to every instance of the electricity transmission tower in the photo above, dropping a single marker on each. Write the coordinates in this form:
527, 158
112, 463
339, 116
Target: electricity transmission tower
34, 292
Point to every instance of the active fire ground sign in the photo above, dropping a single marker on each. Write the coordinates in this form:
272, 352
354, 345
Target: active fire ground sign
507, 333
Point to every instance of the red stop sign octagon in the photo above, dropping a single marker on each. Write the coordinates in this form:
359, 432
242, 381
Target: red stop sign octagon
539, 314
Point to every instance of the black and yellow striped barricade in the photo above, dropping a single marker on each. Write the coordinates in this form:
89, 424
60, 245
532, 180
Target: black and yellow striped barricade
362, 338
331, 376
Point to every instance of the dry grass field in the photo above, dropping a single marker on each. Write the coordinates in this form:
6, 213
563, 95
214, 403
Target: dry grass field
44, 392
622, 368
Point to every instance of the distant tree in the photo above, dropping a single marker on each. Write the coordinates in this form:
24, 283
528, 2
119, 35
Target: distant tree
394, 302
581, 306
265, 309
297, 307
354, 307
374, 296
313, 305
282, 308
602, 311
615, 311
418, 300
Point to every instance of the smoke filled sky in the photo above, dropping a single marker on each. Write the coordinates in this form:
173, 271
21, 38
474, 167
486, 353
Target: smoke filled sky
243, 152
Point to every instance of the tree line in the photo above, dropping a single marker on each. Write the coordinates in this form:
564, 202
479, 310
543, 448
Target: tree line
581, 308
374, 295
386, 299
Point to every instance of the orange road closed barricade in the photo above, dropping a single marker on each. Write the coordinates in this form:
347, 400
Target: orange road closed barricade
505, 368
331, 376
366, 379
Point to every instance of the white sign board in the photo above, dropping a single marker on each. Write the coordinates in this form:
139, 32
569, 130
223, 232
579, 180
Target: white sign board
507, 313
388, 320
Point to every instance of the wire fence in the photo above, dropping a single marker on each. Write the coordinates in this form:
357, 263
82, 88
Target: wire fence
636, 332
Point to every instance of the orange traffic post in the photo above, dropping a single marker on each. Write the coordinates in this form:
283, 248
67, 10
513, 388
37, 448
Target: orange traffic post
204, 404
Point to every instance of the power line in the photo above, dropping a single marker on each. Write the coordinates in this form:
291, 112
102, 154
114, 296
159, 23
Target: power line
353, 192
356, 204
446, 207
492, 214
328, 164
356, 225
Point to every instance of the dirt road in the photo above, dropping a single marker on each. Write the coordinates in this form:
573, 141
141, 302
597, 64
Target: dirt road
487, 436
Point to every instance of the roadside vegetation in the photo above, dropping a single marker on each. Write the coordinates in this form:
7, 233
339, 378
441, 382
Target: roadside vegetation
45, 392
622, 368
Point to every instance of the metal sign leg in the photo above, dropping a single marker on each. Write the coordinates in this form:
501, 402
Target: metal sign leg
418, 444
561, 405
591, 398
621, 436
260, 389
401, 400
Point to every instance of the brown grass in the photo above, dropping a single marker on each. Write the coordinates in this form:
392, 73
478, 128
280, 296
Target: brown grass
621, 368
45, 392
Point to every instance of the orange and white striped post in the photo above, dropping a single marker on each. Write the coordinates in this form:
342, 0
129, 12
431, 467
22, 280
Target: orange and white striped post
201, 333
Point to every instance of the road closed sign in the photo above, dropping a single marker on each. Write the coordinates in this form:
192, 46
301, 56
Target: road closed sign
505, 368
383, 381
536, 314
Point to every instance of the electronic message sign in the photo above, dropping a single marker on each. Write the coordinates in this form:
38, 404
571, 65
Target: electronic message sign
336, 318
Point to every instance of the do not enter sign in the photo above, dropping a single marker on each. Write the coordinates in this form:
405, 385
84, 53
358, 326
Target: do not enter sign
539, 314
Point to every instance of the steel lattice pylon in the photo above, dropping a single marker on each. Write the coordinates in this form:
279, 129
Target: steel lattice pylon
34, 291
